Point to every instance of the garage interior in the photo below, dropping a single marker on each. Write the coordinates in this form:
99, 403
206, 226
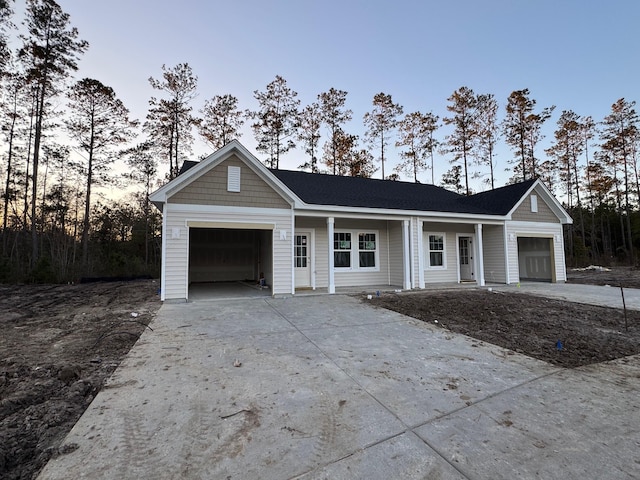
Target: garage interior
230, 261
535, 261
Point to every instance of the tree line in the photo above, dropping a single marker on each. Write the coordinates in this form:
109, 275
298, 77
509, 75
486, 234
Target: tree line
55, 227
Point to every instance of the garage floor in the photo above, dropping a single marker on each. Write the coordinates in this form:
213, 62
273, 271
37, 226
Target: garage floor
229, 290
324, 386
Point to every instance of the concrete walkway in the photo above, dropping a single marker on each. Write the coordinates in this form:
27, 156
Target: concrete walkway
329, 387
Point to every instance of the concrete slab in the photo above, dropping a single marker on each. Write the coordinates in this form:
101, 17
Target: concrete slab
604, 296
566, 425
330, 387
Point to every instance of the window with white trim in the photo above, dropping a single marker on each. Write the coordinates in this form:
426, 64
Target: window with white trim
342, 249
435, 251
356, 255
367, 250
534, 203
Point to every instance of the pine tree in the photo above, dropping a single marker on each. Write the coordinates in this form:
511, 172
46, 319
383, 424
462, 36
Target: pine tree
99, 122
276, 121
463, 105
169, 121
49, 53
309, 135
381, 122
415, 132
334, 116
221, 120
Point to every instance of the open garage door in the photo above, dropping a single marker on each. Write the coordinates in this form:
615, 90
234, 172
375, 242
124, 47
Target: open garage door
535, 259
230, 255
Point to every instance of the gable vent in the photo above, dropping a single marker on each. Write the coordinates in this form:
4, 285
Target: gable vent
233, 179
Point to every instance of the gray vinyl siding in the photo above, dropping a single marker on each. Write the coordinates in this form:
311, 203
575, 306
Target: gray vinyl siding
544, 214
493, 247
450, 274
526, 229
211, 189
177, 249
396, 262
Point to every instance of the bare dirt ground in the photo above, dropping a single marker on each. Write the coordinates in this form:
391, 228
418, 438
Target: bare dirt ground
533, 325
58, 345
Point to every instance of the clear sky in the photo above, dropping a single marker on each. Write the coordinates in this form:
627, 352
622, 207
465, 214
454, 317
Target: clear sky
576, 54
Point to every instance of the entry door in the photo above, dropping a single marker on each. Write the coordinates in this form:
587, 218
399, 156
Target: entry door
466, 258
302, 259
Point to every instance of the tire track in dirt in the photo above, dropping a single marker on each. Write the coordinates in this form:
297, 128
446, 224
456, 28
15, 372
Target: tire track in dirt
200, 432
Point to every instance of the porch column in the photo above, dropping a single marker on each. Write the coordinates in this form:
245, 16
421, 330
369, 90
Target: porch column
406, 255
420, 254
480, 254
331, 288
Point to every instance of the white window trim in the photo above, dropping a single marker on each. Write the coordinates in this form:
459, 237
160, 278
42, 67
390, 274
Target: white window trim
534, 203
427, 251
355, 251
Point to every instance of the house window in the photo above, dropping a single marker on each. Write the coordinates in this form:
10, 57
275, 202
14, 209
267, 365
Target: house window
367, 250
342, 250
435, 250
360, 254
534, 203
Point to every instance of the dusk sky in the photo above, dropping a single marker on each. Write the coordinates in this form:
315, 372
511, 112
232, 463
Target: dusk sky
576, 54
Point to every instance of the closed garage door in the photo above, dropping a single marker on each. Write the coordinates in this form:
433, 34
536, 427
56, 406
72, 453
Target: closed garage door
534, 258
229, 255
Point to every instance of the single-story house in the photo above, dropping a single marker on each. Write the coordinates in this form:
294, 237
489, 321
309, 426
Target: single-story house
229, 218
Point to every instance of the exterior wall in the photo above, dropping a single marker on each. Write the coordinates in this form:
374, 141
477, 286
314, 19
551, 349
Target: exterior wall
531, 229
211, 189
176, 234
544, 214
396, 261
344, 278
493, 246
450, 273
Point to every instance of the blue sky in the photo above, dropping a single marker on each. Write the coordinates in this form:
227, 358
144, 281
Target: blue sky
579, 55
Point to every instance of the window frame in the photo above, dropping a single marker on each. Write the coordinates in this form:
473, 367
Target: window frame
428, 250
354, 251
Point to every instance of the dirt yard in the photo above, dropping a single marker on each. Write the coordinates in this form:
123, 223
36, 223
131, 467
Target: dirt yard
58, 345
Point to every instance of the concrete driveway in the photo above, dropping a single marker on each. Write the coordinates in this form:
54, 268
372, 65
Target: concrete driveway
329, 387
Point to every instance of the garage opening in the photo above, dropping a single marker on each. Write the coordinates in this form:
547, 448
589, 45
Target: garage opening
535, 260
231, 258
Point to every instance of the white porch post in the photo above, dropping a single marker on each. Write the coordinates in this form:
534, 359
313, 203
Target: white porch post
331, 288
420, 254
406, 254
480, 254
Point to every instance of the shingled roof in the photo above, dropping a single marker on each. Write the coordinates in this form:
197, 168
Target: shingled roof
322, 189
319, 189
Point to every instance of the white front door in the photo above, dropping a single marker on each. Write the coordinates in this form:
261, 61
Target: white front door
465, 254
302, 259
